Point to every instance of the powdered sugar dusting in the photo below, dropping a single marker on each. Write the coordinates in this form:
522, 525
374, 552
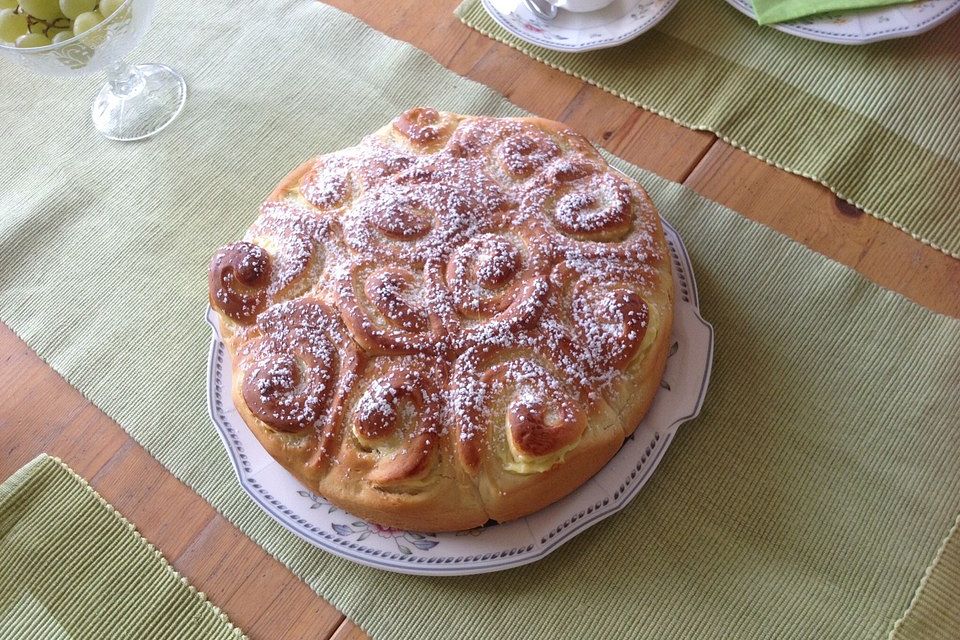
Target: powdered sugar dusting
489, 272
328, 183
291, 369
294, 235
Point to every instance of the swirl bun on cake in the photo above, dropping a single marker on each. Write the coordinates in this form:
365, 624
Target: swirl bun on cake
459, 319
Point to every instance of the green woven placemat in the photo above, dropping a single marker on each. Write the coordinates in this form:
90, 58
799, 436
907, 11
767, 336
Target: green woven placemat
72, 568
807, 501
934, 613
878, 124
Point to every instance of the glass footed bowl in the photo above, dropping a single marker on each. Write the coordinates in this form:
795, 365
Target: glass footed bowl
138, 100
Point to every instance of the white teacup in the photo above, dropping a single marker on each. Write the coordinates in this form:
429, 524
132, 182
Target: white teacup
580, 6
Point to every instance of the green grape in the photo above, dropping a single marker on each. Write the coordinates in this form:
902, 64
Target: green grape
73, 8
9, 4
86, 21
62, 36
42, 9
12, 25
107, 7
40, 27
28, 40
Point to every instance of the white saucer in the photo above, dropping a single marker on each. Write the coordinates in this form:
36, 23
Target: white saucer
869, 25
608, 27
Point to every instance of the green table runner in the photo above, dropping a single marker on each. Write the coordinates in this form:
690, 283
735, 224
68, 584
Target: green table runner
808, 500
878, 124
72, 568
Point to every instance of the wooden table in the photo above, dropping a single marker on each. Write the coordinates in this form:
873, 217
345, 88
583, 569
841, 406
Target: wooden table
40, 412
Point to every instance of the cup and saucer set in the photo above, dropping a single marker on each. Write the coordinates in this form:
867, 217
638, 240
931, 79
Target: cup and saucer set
577, 25
584, 25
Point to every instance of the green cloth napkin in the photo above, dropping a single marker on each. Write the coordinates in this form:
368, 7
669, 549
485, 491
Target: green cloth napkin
878, 125
807, 501
771, 11
71, 568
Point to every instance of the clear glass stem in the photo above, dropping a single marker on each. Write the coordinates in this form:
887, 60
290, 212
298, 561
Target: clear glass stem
125, 81
137, 101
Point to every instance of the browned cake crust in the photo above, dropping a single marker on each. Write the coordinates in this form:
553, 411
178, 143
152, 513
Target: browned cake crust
459, 319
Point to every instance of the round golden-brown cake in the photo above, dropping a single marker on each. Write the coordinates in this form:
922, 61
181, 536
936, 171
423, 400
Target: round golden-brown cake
459, 319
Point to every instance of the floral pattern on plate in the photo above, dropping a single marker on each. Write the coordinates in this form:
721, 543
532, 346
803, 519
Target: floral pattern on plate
363, 529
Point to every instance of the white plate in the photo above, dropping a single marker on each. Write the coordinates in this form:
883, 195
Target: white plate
497, 546
615, 24
868, 25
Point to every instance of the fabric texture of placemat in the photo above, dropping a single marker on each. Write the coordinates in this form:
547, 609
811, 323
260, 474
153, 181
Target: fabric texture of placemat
934, 613
878, 124
71, 568
807, 501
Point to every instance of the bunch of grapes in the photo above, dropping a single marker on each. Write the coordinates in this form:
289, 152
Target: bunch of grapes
38, 23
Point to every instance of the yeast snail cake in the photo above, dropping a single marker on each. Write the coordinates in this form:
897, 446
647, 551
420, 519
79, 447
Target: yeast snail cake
459, 319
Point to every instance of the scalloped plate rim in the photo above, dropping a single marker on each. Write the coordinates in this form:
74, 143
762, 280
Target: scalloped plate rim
521, 554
